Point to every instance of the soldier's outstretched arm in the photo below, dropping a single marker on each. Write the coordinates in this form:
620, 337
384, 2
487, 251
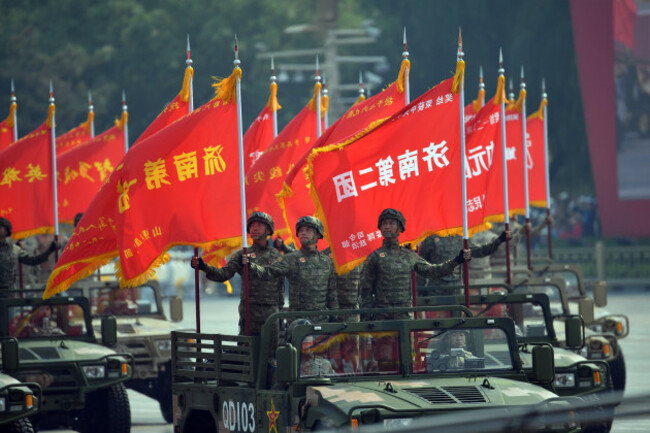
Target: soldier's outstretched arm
278, 268
227, 272
484, 250
429, 270
26, 259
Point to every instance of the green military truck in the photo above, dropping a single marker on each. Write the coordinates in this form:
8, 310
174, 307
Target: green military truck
143, 330
82, 382
333, 375
18, 401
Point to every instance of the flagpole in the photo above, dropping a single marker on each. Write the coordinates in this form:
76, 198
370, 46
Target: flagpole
506, 209
52, 121
481, 86
548, 178
319, 126
407, 85
91, 114
522, 91
275, 104
13, 101
242, 190
463, 166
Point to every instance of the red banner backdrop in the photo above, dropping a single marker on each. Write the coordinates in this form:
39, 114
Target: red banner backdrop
7, 128
536, 158
84, 169
257, 137
26, 184
405, 164
74, 138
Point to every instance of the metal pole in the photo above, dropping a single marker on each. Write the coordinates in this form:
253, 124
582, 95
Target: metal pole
463, 166
522, 90
275, 108
407, 86
506, 209
319, 126
54, 179
548, 177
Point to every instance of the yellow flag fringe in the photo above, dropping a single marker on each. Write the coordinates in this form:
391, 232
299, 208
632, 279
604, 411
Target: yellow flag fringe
185, 90
401, 77
226, 89
12, 115
97, 262
145, 276
37, 231
273, 103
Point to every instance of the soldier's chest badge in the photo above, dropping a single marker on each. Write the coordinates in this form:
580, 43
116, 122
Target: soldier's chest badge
302, 260
382, 254
252, 255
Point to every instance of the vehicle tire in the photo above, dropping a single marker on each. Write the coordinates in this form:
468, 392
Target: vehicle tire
21, 426
617, 370
107, 411
164, 396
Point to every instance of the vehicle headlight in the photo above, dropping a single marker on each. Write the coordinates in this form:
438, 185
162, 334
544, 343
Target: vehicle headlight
94, 371
164, 345
565, 380
3, 404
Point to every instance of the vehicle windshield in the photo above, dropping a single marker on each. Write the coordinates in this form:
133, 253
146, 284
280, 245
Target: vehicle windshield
45, 320
571, 282
528, 317
123, 302
439, 351
553, 292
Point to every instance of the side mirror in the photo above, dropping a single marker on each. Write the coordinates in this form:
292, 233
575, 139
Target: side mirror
10, 358
176, 308
586, 310
543, 363
573, 330
109, 331
600, 293
287, 357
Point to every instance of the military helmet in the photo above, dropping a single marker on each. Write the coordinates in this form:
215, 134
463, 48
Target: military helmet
393, 214
294, 325
262, 217
7, 224
313, 222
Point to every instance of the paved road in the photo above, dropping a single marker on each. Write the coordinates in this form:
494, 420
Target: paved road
220, 315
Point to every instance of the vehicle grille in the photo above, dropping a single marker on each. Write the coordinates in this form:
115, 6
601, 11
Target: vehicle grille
450, 394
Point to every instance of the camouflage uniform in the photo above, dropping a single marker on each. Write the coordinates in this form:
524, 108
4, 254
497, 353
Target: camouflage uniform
347, 289
518, 233
266, 296
10, 255
386, 277
436, 249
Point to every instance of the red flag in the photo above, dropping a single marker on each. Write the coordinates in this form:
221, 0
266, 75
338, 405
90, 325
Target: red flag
26, 184
257, 137
82, 171
536, 158
625, 15
7, 128
75, 137
360, 119
404, 164
94, 241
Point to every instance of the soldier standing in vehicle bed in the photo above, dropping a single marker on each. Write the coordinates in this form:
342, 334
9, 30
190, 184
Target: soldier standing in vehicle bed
11, 254
266, 296
386, 276
347, 289
311, 274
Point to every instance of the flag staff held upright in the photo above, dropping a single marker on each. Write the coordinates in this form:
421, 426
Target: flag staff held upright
522, 93
481, 86
91, 114
242, 191
407, 86
548, 179
125, 111
14, 104
274, 87
52, 124
463, 166
506, 209
317, 78
326, 97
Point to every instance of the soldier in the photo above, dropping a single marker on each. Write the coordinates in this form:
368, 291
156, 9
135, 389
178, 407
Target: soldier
11, 254
518, 231
311, 274
436, 249
347, 289
266, 296
386, 276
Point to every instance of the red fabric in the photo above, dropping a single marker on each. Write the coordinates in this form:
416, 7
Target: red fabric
353, 185
176, 188
82, 171
72, 139
6, 135
257, 137
624, 21
172, 112
536, 161
26, 184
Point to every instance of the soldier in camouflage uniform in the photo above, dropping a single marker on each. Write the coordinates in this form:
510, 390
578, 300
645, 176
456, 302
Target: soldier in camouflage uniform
347, 289
311, 274
518, 232
266, 296
11, 254
386, 276
436, 249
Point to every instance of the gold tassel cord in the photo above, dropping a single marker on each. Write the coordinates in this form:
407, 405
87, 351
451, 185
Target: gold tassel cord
12, 115
540, 112
86, 125
325, 103
51, 109
312, 101
459, 76
477, 104
226, 89
273, 103
500, 95
121, 122
401, 77
187, 78
359, 100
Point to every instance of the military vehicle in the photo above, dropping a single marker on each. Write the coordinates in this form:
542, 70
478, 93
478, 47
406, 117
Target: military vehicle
385, 372
143, 330
82, 382
18, 401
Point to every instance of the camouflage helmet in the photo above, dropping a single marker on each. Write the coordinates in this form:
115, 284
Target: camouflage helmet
313, 222
261, 217
7, 224
392, 214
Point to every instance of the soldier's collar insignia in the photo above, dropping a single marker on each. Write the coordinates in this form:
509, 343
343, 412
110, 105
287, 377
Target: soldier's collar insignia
302, 260
382, 254
251, 255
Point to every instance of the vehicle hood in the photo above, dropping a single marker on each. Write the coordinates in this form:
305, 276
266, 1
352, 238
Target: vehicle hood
62, 350
563, 358
140, 326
